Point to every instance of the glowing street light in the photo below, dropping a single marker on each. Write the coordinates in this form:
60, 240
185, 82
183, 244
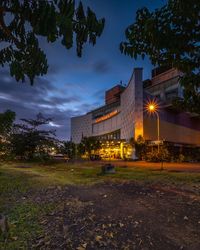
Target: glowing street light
152, 108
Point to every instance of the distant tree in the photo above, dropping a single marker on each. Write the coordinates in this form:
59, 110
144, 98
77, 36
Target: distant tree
88, 144
6, 123
23, 21
139, 145
69, 148
170, 36
28, 139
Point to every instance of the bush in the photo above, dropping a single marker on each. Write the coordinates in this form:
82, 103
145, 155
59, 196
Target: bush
181, 158
155, 156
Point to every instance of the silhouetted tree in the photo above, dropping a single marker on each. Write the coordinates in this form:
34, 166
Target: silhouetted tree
6, 124
29, 139
69, 148
170, 36
23, 21
140, 146
88, 144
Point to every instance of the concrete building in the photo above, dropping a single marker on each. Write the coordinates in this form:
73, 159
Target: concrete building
124, 115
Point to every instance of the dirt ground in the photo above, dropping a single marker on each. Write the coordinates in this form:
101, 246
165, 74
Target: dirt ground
123, 215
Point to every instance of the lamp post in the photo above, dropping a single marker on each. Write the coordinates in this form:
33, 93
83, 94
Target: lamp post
152, 108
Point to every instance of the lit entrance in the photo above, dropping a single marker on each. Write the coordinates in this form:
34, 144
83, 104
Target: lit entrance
110, 150
113, 150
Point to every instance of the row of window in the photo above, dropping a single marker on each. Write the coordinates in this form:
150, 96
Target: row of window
110, 136
104, 110
169, 95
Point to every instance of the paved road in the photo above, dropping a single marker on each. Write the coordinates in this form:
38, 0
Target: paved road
182, 167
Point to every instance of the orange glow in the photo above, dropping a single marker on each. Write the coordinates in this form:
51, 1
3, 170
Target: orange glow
138, 132
152, 106
105, 117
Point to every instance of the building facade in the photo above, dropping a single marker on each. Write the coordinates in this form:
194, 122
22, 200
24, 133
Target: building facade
124, 116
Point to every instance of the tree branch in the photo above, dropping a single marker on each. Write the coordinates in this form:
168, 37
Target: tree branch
6, 31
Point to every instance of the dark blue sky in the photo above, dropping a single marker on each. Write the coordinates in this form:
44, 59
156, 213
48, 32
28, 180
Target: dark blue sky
75, 85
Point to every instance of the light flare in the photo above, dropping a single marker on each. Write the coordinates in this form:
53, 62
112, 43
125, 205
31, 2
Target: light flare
152, 106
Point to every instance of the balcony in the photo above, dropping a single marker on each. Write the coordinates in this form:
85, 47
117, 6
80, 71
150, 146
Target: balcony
165, 76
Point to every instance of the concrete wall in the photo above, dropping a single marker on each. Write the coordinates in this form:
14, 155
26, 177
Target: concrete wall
132, 107
164, 83
81, 126
107, 126
170, 132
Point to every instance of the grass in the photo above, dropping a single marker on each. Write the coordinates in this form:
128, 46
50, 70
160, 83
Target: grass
24, 215
36, 176
23, 225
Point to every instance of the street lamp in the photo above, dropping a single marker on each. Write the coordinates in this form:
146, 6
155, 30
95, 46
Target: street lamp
152, 107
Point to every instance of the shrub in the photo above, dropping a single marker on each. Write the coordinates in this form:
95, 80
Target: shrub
157, 156
181, 158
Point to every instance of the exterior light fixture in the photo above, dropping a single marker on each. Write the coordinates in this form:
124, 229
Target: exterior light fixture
152, 108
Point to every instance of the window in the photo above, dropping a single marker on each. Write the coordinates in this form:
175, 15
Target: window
170, 95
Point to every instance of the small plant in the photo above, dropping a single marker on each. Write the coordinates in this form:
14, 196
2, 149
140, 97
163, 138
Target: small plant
181, 158
140, 146
158, 156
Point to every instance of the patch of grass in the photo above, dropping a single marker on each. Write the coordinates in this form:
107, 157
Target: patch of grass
13, 182
152, 176
13, 176
23, 225
15, 179
23, 215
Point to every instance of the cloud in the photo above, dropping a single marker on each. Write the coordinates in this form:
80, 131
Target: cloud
86, 107
53, 124
64, 100
100, 95
101, 67
27, 101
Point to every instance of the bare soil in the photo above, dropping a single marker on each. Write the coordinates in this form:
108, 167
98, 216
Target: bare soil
119, 215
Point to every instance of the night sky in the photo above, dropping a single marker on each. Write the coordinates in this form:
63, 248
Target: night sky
75, 85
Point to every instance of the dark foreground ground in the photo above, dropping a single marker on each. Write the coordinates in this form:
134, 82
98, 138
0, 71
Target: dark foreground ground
120, 216
113, 213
